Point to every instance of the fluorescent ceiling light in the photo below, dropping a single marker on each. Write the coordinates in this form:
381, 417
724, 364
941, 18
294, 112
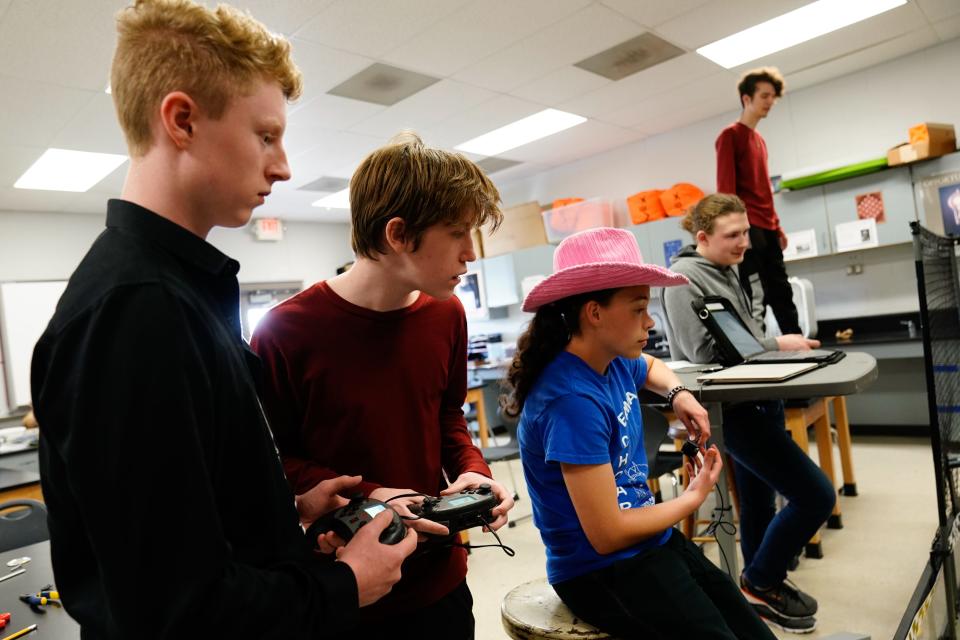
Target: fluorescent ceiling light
800, 25
338, 200
516, 134
65, 170
107, 90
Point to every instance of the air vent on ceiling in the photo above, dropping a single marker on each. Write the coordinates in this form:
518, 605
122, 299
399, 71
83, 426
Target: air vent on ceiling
326, 184
383, 84
494, 164
627, 58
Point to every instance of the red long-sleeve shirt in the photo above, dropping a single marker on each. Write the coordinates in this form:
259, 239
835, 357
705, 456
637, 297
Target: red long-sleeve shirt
742, 169
352, 391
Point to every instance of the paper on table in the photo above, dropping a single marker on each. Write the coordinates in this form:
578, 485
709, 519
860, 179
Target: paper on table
859, 234
801, 244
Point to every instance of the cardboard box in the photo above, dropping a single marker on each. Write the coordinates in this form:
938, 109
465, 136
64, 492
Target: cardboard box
522, 227
927, 140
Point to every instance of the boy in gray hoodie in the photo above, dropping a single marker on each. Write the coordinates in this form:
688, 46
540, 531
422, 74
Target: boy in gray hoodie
766, 460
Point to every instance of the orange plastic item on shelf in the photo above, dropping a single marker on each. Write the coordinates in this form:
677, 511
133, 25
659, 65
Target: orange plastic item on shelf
562, 202
564, 221
679, 197
646, 206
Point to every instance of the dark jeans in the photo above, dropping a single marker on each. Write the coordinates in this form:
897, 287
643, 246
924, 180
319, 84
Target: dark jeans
765, 258
671, 591
766, 462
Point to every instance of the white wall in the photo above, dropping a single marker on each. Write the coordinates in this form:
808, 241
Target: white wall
861, 114
858, 115
48, 246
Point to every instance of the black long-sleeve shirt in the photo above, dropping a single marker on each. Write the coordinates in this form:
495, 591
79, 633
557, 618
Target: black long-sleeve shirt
168, 509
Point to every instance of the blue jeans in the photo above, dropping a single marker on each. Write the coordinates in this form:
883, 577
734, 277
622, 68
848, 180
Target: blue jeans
767, 461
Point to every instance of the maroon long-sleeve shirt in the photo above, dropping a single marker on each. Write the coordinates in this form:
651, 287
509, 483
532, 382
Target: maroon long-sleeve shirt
352, 391
742, 170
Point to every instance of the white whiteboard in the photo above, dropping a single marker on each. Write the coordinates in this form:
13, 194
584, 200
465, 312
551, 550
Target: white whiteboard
25, 311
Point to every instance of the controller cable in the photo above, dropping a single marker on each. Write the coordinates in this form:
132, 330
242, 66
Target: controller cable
717, 517
507, 550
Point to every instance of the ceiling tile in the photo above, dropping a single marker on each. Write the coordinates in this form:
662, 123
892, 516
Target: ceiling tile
424, 109
93, 128
14, 161
34, 112
580, 141
336, 150
578, 36
641, 86
280, 17
112, 185
560, 86
324, 67
373, 27
651, 13
716, 89
840, 43
383, 84
935, 10
862, 58
478, 30
481, 119
948, 28
331, 112
720, 18
688, 113
65, 43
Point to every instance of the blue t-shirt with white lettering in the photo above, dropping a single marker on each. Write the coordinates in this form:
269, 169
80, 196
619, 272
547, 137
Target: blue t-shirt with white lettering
577, 416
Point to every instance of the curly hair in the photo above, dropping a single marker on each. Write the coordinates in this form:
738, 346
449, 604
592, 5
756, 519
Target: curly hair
703, 215
549, 333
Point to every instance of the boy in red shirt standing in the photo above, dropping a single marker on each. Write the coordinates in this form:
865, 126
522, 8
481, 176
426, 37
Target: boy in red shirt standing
742, 170
366, 372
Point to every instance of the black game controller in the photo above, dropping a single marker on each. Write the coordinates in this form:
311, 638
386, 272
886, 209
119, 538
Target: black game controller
347, 520
692, 451
465, 510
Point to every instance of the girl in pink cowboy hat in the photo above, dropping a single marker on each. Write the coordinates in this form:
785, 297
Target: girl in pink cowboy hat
612, 554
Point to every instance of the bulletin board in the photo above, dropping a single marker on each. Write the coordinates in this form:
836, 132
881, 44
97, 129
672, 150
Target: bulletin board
25, 311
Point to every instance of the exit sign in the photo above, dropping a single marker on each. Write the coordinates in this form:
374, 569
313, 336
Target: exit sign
270, 229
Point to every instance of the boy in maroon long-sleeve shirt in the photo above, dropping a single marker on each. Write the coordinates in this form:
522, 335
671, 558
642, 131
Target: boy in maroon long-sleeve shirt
742, 170
366, 372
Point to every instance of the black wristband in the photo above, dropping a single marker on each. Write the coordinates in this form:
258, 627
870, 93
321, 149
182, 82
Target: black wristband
672, 394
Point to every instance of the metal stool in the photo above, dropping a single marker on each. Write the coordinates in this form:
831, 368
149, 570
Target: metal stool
533, 610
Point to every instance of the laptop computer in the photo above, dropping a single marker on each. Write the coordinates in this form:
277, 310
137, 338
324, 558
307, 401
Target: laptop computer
737, 345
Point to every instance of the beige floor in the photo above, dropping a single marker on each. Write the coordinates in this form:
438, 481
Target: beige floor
863, 583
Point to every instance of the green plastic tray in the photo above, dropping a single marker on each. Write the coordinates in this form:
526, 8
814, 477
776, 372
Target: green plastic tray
841, 173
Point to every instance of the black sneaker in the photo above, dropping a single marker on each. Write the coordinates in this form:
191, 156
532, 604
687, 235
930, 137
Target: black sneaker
791, 625
785, 598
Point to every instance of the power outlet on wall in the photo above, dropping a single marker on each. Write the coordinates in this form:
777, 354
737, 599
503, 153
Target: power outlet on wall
854, 269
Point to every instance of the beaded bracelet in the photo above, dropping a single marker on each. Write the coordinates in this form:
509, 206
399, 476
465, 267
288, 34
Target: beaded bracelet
672, 394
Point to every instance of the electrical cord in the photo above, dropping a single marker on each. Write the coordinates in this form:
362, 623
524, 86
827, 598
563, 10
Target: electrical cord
450, 543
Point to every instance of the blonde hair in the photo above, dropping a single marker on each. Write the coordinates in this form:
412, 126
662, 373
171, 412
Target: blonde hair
422, 186
703, 215
179, 45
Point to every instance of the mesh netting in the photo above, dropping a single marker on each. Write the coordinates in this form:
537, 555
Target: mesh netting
939, 288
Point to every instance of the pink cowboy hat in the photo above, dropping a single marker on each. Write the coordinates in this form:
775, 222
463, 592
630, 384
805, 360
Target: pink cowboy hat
596, 259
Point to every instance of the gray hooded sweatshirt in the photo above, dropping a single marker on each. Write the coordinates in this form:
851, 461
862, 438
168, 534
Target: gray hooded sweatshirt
689, 338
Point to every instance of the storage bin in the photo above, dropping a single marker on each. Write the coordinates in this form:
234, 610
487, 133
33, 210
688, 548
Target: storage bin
565, 221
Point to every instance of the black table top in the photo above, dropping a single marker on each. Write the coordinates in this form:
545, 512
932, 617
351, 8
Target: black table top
55, 624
